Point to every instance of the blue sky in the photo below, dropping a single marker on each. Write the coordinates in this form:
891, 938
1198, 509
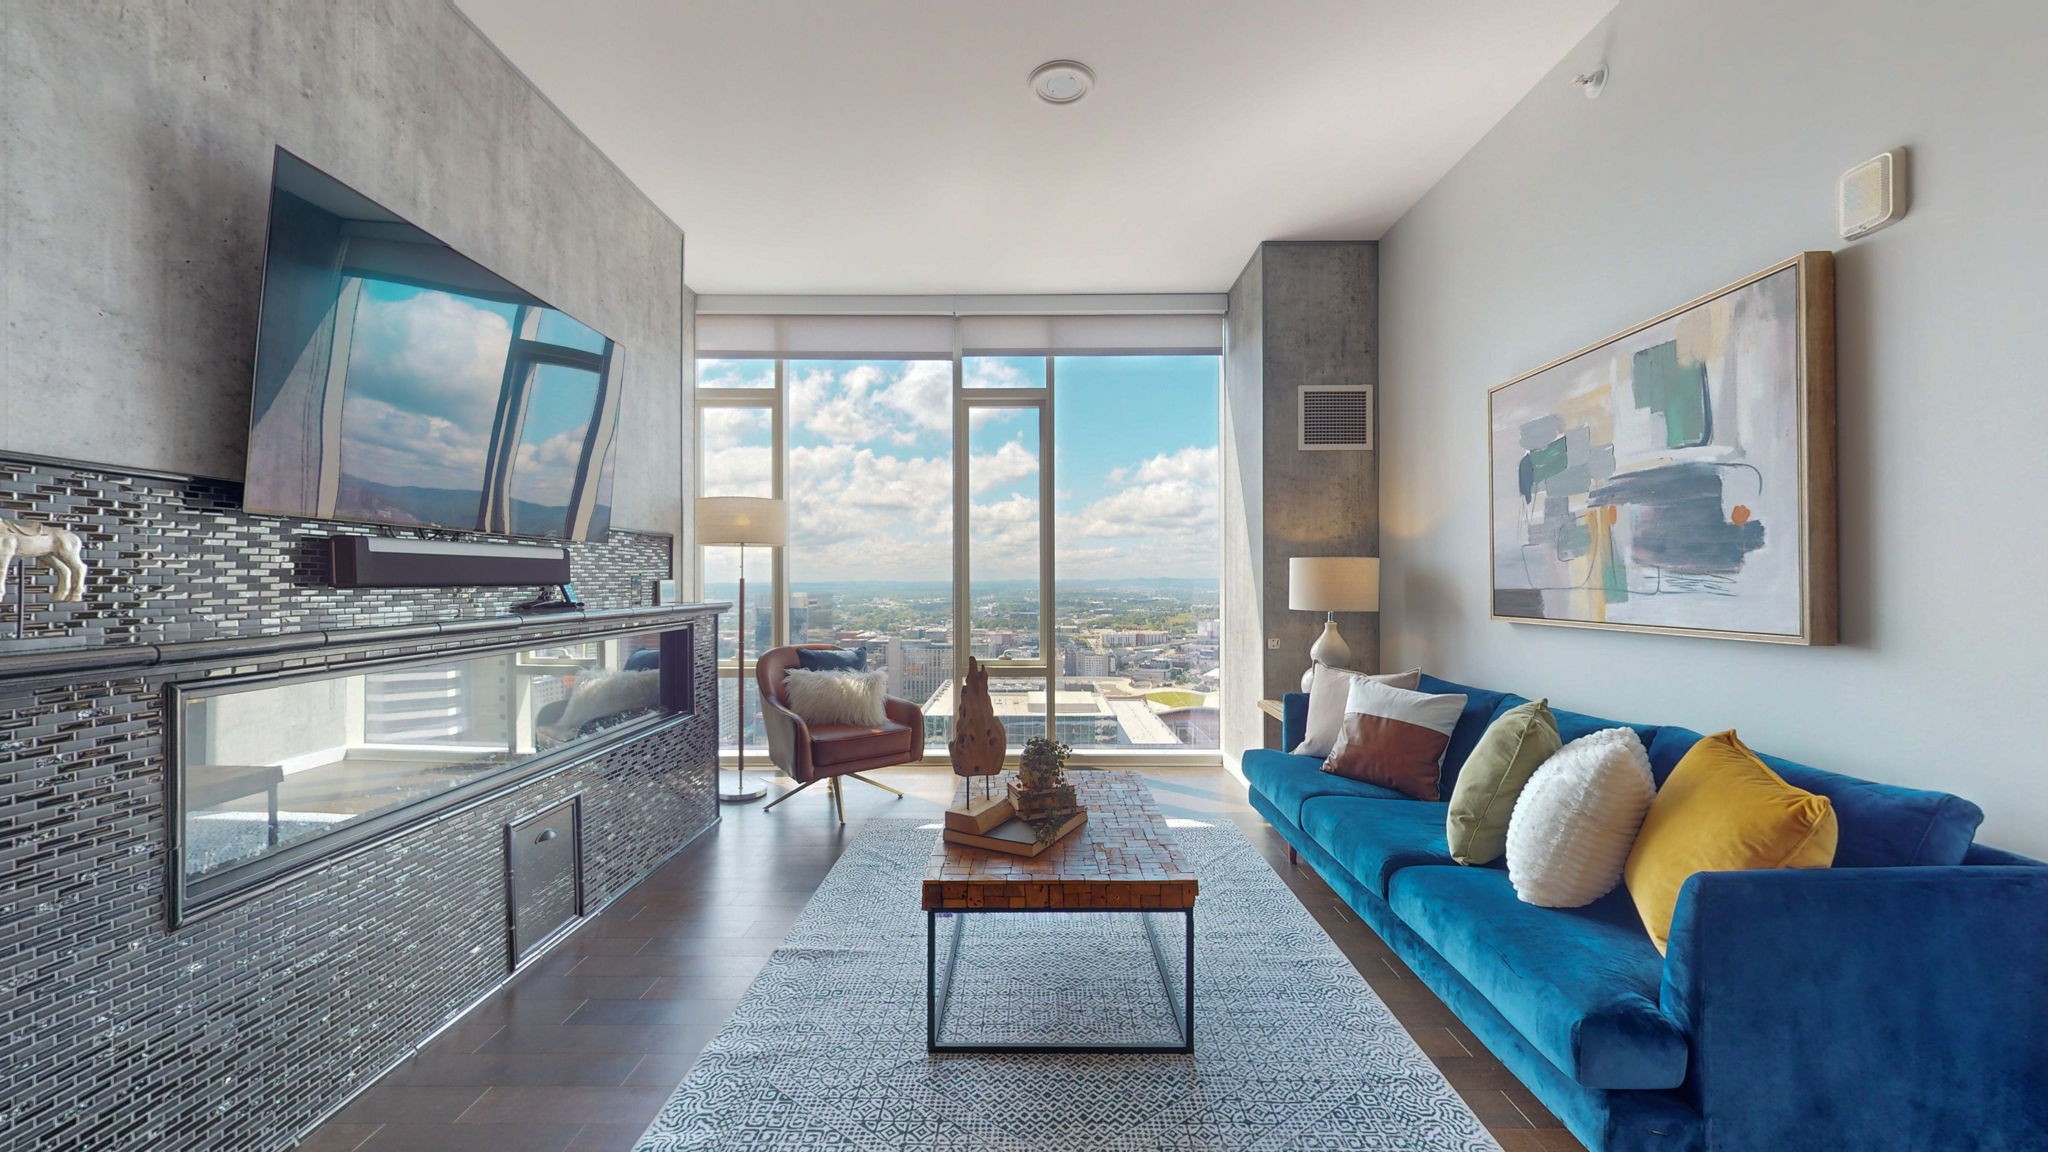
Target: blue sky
425, 368
870, 467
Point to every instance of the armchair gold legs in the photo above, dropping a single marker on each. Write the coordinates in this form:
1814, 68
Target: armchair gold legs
876, 783
788, 794
838, 798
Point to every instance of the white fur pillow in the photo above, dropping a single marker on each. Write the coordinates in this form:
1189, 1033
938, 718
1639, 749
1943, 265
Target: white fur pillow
837, 697
609, 695
1328, 695
1577, 818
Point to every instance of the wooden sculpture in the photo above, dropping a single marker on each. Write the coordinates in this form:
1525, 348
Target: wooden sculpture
56, 547
978, 738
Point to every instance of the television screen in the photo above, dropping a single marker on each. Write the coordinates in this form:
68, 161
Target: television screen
399, 382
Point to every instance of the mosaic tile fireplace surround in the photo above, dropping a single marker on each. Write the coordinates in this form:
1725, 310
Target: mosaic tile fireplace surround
243, 1027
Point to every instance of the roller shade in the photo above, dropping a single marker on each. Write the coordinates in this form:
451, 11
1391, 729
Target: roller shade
931, 337
1086, 335
825, 337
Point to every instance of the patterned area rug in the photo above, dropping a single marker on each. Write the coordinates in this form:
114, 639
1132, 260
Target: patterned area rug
1293, 1051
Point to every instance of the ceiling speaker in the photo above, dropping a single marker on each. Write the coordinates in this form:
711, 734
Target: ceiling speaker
1336, 418
1873, 194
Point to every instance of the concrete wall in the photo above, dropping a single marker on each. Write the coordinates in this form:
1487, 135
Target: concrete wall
138, 143
1244, 513
1713, 153
1299, 314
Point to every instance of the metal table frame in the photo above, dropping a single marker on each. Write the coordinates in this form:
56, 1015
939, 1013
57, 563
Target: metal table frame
938, 989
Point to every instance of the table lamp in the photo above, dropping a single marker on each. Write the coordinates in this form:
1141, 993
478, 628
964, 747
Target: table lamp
1332, 584
746, 521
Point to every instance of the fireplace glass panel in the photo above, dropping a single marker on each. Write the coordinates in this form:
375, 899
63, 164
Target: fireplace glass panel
272, 766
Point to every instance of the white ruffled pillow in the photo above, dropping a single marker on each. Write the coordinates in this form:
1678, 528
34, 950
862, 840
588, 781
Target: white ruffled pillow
837, 697
1570, 833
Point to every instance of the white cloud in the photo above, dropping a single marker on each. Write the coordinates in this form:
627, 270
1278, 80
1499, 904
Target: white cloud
986, 372
431, 353
1191, 464
1007, 464
715, 373
409, 449
1163, 521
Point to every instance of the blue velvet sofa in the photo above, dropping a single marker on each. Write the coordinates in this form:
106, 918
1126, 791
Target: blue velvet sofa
1897, 1001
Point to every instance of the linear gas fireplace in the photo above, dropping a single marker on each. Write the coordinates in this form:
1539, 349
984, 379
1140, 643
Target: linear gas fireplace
276, 771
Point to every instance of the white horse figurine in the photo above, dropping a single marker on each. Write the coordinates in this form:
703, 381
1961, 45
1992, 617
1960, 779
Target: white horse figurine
56, 547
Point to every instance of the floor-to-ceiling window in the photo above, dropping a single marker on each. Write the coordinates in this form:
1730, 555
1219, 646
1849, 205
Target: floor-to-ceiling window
739, 453
1059, 502
870, 558
1138, 594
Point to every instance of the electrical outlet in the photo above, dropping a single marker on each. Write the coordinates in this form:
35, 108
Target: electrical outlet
1273, 643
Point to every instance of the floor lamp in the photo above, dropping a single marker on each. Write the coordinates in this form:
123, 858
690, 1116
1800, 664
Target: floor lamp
746, 521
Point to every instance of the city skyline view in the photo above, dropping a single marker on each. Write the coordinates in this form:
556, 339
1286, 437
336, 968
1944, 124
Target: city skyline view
870, 470
1133, 532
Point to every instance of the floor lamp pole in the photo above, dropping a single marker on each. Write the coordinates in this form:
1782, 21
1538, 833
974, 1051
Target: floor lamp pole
739, 793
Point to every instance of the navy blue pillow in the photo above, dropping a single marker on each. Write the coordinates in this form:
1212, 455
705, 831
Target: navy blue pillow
645, 660
833, 659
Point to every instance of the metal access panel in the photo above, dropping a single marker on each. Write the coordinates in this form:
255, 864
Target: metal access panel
543, 876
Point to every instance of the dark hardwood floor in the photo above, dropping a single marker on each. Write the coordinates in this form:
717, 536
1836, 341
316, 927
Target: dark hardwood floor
580, 1051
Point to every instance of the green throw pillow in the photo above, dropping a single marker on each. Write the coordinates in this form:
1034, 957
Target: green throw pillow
1514, 746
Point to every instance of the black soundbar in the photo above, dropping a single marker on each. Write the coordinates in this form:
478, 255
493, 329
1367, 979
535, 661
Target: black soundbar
394, 562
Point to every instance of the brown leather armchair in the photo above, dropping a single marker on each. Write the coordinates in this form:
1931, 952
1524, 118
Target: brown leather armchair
808, 753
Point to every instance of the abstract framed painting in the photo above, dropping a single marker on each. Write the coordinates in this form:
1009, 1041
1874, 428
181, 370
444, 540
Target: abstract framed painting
1678, 477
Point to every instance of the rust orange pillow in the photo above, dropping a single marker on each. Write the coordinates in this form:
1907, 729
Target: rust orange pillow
1722, 810
1394, 738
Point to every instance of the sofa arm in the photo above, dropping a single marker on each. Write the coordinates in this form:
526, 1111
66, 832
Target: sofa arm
1869, 1008
1293, 720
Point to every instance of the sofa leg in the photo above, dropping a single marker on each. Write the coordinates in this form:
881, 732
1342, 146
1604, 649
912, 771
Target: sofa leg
1293, 861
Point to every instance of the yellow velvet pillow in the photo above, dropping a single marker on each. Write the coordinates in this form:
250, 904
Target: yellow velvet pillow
1722, 810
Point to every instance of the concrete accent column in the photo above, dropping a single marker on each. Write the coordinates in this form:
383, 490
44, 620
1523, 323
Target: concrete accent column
1301, 313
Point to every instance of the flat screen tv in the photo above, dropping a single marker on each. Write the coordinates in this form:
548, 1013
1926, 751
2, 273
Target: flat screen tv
399, 382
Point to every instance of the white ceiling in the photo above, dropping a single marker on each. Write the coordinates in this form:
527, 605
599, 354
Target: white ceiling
893, 146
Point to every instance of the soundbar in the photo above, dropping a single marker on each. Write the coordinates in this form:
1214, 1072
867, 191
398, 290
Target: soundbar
394, 562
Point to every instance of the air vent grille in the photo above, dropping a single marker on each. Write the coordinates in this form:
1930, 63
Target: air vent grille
1336, 418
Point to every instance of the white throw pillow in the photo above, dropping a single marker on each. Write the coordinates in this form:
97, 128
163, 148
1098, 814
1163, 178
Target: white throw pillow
1327, 695
598, 697
837, 697
1570, 833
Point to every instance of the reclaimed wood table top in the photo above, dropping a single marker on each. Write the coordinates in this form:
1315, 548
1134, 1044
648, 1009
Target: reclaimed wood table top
1123, 858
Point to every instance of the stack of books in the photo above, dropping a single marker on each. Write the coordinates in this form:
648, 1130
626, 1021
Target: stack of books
992, 823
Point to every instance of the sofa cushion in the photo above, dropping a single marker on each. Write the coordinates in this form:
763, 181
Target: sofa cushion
1722, 810
1580, 984
1394, 738
1480, 706
850, 743
1373, 839
1877, 825
1287, 780
1517, 743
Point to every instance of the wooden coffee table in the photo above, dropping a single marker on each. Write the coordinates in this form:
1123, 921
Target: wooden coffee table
1122, 860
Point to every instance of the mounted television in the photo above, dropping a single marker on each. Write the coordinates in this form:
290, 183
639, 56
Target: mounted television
399, 382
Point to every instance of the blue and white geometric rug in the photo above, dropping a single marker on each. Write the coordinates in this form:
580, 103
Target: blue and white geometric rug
1293, 1051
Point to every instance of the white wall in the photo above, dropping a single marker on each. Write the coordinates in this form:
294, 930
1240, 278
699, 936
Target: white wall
1714, 153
